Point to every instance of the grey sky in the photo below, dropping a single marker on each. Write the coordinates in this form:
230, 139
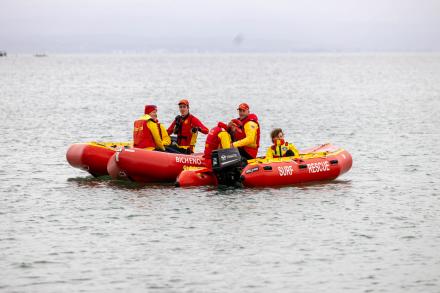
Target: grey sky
134, 25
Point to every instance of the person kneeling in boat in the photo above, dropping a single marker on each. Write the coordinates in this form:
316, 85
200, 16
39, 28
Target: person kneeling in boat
186, 126
280, 147
248, 139
148, 133
218, 138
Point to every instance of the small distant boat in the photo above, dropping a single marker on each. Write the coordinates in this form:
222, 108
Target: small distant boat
3, 54
40, 55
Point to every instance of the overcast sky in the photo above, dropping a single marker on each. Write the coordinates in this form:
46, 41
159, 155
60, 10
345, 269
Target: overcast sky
203, 25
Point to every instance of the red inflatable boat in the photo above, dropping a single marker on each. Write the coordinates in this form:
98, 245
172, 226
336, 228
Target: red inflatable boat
325, 162
150, 166
93, 156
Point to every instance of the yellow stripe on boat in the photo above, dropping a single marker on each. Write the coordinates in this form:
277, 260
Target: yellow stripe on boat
110, 144
305, 156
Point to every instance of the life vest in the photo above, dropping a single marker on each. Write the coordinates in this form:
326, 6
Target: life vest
184, 133
142, 136
280, 150
212, 140
240, 135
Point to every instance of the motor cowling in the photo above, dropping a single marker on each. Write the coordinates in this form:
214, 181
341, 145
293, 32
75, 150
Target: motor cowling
227, 166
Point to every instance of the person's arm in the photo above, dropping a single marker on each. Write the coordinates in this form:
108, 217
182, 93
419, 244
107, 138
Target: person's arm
171, 128
197, 123
166, 139
250, 129
269, 153
225, 139
156, 136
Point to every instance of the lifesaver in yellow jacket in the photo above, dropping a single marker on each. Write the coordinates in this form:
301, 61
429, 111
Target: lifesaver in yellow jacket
249, 138
281, 148
148, 133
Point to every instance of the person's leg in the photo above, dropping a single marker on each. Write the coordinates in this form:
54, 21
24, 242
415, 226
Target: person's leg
173, 149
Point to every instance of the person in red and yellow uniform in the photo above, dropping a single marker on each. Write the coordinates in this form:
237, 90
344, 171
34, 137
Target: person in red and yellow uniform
219, 137
148, 133
186, 126
280, 147
248, 139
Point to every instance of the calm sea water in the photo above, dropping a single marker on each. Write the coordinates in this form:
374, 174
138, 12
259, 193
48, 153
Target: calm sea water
375, 229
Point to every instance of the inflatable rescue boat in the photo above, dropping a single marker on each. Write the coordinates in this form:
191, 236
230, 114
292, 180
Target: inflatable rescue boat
325, 162
150, 166
93, 156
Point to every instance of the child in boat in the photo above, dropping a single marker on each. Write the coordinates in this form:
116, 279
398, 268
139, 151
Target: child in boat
280, 147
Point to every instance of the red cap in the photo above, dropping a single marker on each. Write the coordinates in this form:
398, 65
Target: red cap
243, 106
184, 101
149, 108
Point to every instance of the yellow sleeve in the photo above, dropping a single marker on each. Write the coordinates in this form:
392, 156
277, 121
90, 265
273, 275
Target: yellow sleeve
293, 149
250, 129
269, 153
156, 136
166, 139
225, 140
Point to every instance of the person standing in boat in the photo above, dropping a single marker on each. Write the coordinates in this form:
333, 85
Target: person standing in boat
248, 139
186, 126
148, 133
280, 147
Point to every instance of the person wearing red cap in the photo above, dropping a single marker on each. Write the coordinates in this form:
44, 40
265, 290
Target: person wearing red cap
248, 139
148, 133
218, 138
186, 126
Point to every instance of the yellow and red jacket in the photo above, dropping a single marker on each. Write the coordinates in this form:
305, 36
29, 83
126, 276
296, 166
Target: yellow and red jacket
185, 137
149, 134
217, 138
249, 137
280, 148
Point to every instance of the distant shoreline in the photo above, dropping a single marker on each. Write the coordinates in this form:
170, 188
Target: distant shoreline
50, 54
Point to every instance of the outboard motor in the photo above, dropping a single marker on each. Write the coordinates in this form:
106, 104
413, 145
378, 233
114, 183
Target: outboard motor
227, 166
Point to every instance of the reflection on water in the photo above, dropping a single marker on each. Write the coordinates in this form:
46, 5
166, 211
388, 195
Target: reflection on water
373, 229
